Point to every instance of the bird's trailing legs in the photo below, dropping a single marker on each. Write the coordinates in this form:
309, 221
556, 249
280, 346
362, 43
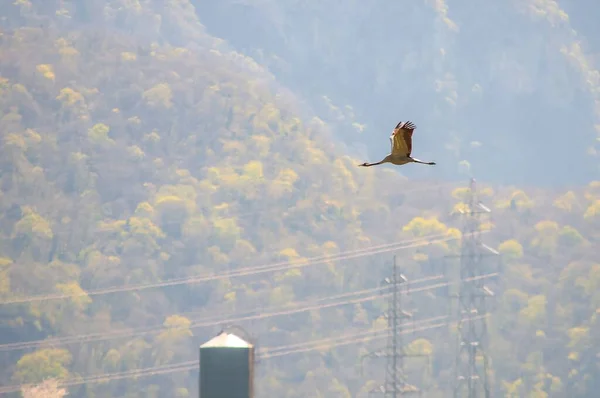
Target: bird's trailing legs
420, 161
365, 164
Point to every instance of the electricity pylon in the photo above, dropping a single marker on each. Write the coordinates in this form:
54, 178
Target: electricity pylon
395, 384
472, 360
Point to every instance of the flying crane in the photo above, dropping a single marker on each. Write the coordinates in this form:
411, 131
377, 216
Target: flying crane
401, 141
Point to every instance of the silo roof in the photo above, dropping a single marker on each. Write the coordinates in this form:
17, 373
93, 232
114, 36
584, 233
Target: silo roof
225, 339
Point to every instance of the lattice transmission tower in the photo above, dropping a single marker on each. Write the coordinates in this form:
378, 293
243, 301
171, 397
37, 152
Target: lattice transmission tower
396, 384
472, 360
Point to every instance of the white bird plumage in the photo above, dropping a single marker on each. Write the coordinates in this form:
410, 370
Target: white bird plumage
401, 146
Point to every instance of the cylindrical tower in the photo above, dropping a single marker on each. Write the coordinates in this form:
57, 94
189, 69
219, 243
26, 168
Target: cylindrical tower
226, 367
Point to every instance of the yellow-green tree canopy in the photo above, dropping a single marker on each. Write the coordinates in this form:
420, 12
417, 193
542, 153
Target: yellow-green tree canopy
43, 364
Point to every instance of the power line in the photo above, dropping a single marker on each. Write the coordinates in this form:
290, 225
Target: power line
193, 365
208, 321
332, 341
95, 337
293, 347
281, 266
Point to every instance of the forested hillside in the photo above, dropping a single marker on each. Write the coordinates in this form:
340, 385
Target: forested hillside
156, 185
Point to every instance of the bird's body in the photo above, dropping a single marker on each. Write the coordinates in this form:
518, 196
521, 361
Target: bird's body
401, 142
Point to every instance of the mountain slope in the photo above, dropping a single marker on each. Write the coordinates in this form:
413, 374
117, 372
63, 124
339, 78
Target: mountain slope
137, 149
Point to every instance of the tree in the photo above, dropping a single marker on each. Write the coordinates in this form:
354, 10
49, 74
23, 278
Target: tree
170, 343
511, 249
160, 95
546, 240
48, 389
42, 364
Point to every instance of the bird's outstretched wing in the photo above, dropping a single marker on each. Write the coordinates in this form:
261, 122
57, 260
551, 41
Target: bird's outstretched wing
401, 138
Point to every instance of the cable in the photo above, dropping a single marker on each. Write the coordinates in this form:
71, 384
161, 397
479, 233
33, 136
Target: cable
86, 338
198, 323
193, 365
242, 271
289, 347
335, 296
340, 341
